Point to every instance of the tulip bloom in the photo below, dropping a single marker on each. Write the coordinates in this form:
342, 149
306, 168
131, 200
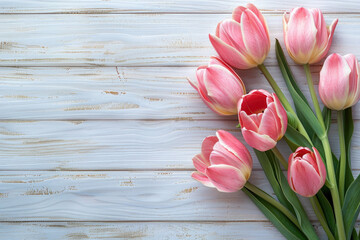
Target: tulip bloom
243, 41
339, 85
306, 36
262, 118
219, 86
306, 172
224, 163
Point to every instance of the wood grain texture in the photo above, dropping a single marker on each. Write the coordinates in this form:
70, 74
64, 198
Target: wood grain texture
175, 6
122, 196
142, 230
132, 39
119, 145
78, 93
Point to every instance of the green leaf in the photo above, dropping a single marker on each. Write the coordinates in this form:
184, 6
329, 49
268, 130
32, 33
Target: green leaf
302, 106
328, 210
290, 195
326, 112
296, 138
348, 132
280, 221
268, 170
351, 206
280, 56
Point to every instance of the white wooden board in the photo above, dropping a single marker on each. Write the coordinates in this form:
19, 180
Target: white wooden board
174, 6
119, 145
78, 93
122, 196
132, 39
94, 101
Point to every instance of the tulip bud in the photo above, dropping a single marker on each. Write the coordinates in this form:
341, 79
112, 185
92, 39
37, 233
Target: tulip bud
306, 36
243, 41
262, 118
224, 163
306, 172
219, 86
339, 85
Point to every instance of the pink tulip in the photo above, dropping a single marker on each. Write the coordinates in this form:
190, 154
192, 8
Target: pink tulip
307, 38
306, 172
339, 85
262, 118
219, 86
243, 41
224, 163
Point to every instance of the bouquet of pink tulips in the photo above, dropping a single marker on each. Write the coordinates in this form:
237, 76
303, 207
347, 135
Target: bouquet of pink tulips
313, 170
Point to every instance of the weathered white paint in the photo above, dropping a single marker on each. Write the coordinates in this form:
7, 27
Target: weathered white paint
143, 230
79, 93
118, 145
121, 196
132, 39
133, 118
150, 6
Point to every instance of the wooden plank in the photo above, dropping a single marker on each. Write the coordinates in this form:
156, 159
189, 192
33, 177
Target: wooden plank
121, 196
119, 145
143, 230
63, 93
144, 6
131, 39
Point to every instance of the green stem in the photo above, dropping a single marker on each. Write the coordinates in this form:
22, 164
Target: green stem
340, 120
273, 202
328, 155
320, 215
283, 99
333, 188
313, 95
281, 158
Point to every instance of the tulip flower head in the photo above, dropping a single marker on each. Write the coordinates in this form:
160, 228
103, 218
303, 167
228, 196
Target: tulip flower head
306, 172
243, 41
306, 36
262, 118
219, 86
224, 163
339, 85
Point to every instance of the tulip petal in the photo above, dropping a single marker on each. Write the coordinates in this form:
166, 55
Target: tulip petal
270, 123
258, 141
223, 88
202, 178
354, 78
255, 37
253, 102
325, 50
230, 55
333, 84
300, 35
248, 122
256, 11
234, 146
322, 32
304, 179
237, 12
200, 162
281, 113
320, 165
207, 146
226, 178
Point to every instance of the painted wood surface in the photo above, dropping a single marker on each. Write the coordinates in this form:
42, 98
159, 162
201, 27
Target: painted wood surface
122, 196
166, 6
142, 230
119, 145
98, 124
132, 39
98, 93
